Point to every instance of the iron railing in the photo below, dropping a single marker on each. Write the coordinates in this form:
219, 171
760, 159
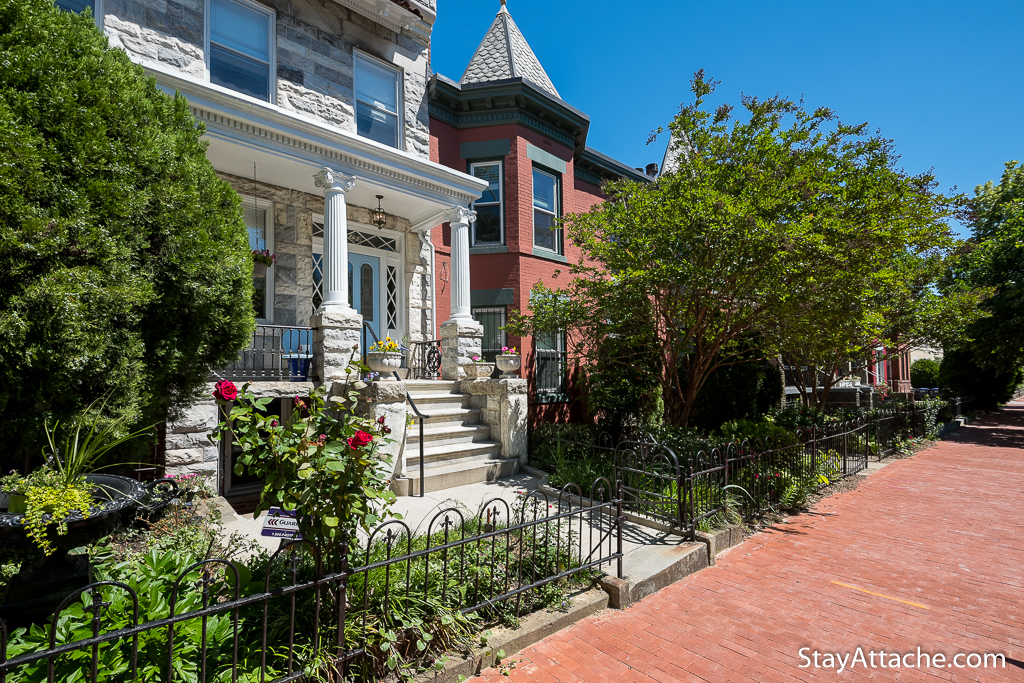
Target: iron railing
312, 614
750, 476
425, 359
277, 353
420, 416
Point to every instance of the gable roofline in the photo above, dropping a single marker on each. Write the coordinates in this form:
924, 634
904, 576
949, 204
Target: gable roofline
611, 167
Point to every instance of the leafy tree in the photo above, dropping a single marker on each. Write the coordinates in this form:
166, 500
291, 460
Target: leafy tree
878, 306
924, 374
124, 261
987, 361
784, 226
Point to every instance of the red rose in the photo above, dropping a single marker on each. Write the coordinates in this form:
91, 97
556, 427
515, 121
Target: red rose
360, 439
225, 391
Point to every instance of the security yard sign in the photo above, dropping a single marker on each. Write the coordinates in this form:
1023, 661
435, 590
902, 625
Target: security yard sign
281, 524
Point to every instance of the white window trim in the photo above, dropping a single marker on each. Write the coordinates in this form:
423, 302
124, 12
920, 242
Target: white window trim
501, 202
357, 55
558, 205
271, 34
268, 206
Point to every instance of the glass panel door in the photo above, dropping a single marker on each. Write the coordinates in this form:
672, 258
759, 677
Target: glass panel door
364, 283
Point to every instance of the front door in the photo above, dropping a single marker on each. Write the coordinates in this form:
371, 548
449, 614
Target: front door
363, 285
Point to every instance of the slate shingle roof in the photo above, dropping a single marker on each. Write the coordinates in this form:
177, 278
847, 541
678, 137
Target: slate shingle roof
504, 53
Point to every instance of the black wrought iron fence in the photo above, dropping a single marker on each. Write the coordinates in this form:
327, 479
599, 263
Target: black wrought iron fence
343, 617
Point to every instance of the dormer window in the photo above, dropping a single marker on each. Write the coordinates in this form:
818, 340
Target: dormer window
240, 48
378, 89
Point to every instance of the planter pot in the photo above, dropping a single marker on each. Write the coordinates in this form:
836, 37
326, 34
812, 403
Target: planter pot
259, 269
478, 370
15, 504
43, 582
508, 363
384, 363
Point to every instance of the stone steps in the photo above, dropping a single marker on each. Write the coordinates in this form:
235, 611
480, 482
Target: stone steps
457, 445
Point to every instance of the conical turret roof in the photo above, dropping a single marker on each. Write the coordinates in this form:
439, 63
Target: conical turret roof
504, 53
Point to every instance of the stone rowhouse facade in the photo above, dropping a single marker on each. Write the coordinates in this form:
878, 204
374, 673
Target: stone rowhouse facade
270, 150
506, 109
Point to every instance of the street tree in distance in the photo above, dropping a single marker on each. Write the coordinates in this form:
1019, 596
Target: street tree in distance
987, 361
125, 269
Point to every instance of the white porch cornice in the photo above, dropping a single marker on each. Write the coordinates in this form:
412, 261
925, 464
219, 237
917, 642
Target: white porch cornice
288, 145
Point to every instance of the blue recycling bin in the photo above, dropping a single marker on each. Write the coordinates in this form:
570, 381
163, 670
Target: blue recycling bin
298, 366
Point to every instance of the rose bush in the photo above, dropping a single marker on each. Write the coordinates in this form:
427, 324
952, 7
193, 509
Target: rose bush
321, 461
225, 391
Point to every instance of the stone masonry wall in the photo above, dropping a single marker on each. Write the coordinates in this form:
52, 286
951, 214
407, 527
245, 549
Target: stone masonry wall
316, 40
293, 246
189, 449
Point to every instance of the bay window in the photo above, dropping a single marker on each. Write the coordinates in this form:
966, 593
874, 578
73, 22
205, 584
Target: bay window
489, 225
545, 211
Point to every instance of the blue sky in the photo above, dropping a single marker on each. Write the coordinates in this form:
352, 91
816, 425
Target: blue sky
945, 80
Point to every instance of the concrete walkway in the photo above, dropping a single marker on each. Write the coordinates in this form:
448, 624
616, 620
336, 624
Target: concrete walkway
927, 553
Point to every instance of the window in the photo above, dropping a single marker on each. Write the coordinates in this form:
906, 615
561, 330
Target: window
545, 211
378, 101
256, 222
551, 363
488, 227
79, 6
240, 49
493, 319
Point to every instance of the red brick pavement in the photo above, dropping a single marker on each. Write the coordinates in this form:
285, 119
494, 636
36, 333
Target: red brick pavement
942, 529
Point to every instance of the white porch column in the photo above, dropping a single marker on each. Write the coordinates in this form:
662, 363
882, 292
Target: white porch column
336, 325
459, 217
335, 184
461, 336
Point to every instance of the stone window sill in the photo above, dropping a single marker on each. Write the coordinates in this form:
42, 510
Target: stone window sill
549, 255
551, 398
489, 249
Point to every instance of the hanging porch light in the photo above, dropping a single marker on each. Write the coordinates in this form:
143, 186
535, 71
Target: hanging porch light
379, 216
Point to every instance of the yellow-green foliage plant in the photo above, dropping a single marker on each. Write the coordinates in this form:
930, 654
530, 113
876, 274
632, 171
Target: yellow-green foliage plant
49, 501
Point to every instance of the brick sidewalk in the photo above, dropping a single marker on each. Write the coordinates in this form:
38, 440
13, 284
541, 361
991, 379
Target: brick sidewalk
927, 552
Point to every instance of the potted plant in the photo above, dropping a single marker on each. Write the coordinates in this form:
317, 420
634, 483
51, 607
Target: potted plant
14, 487
261, 260
508, 361
385, 357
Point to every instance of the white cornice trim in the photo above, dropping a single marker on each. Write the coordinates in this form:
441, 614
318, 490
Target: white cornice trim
389, 14
226, 111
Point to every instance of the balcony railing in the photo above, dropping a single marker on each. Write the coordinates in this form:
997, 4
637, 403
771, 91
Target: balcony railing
277, 353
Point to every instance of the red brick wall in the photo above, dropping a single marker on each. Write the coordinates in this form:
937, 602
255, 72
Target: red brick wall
518, 269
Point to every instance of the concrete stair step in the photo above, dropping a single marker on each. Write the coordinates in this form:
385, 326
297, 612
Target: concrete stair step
452, 433
438, 402
458, 474
414, 386
434, 455
448, 415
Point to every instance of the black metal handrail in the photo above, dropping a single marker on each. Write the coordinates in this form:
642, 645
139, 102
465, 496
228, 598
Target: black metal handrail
421, 416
